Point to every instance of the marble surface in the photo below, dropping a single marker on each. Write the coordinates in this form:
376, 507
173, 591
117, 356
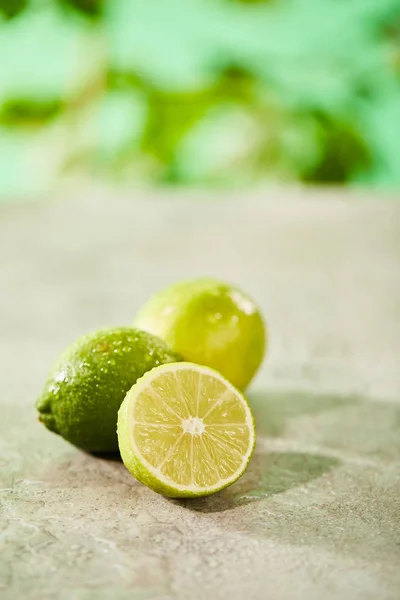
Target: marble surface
317, 514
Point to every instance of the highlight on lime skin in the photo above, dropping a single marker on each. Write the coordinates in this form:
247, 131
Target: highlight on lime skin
185, 431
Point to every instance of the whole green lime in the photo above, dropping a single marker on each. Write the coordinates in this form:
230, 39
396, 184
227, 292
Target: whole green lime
86, 387
211, 323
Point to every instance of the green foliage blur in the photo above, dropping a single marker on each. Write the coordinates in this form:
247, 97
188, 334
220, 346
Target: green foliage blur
204, 92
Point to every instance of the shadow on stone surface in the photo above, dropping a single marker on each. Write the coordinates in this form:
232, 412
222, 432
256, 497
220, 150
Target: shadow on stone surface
272, 409
112, 456
268, 474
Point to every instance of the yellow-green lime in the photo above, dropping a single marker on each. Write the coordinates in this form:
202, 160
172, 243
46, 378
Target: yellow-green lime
84, 391
185, 431
210, 323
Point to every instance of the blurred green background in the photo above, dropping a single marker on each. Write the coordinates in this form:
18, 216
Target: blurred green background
198, 92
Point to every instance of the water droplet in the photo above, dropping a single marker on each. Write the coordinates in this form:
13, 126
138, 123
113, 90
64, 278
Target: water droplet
61, 376
217, 316
151, 352
235, 319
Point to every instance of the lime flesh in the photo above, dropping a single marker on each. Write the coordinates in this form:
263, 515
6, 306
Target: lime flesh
84, 391
210, 323
185, 431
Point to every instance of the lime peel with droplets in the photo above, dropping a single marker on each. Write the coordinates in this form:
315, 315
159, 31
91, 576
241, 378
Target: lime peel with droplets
85, 388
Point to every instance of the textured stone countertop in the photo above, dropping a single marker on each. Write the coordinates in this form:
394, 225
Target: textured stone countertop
317, 515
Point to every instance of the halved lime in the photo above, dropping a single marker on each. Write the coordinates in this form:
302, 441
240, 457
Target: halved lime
184, 430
